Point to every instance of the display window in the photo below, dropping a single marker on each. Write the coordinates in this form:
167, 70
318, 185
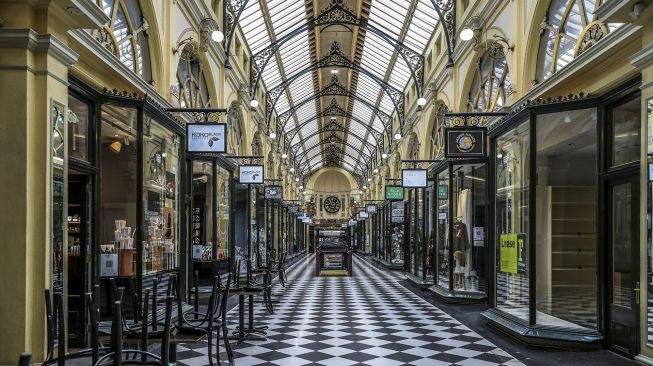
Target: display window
512, 208
160, 199
566, 213
460, 226
223, 182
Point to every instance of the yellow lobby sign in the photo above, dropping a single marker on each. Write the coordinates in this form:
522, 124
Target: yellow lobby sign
511, 253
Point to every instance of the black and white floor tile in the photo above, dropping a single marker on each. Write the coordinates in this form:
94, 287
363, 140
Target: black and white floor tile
367, 319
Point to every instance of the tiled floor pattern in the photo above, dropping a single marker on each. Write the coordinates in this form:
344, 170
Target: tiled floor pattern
367, 319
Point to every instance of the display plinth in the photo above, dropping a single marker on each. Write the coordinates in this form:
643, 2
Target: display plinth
543, 336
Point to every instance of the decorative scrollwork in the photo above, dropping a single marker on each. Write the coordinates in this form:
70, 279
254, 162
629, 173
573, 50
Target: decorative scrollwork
594, 32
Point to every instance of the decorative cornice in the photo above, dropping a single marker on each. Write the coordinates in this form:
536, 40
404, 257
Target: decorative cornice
86, 40
643, 58
607, 45
38, 43
92, 11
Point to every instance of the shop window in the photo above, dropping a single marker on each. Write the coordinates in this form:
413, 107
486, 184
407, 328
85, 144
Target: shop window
161, 197
566, 193
223, 189
118, 215
491, 80
193, 89
512, 220
78, 121
649, 218
625, 122
202, 207
442, 230
569, 28
468, 235
126, 35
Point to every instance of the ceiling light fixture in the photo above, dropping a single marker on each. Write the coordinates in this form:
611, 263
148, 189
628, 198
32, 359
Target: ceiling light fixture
376, 170
253, 103
334, 71
384, 156
217, 36
273, 135
284, 156
421, 102
397, 136
369, 179
296, 179
116, 146
292, 170
472, 29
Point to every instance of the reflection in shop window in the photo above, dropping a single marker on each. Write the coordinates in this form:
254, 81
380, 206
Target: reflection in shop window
512, 171
161, 196
649, 214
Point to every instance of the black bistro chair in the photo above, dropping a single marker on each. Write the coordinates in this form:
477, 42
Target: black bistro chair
214, 320
25, 359
119, 357
56, 329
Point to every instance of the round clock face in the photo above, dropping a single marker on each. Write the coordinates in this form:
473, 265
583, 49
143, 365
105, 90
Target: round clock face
332, 204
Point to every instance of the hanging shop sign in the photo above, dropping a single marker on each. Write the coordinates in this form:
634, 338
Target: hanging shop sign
293, 208
250, 174
363, 214
465, 142
512, 253
273, 192
352, 222
413, 178
443, 192
394, 193
371, 208
397, 212
206, 137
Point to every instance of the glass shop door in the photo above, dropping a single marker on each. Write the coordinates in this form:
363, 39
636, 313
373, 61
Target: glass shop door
623, 264
79, 273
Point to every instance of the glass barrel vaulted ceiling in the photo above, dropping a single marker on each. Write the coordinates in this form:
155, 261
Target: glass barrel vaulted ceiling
352, 139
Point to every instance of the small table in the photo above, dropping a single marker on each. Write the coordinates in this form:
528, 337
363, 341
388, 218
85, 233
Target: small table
252, 333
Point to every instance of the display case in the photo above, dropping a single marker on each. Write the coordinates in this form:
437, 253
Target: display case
459, 223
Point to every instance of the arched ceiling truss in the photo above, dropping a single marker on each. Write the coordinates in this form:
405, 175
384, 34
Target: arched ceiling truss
379, 46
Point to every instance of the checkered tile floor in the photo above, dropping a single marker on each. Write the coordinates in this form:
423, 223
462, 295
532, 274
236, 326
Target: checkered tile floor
367, 319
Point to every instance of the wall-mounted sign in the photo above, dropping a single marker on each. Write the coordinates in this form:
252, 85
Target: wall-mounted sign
250, 174
206, 137
363, 214
273, 192
443, 192
394, 193
371, 208
465, 142
413, 178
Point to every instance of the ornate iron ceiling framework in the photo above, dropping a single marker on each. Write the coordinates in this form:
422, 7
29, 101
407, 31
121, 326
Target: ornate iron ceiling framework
334, 139
334, 88
269, 30
335, 110
335, 58
338, 14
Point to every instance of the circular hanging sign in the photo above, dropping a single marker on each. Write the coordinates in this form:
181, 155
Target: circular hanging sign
332, 204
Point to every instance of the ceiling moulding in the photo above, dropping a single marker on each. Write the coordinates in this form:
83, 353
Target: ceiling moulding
606, 45
86, 40
89, 9
38, 43
643, 58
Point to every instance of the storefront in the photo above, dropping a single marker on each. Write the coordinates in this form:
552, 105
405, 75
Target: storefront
211, 192
132, 232
565, 211
459, 223
391, 250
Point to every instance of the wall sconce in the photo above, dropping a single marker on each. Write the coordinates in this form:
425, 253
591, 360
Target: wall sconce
115, 147
473, 29
209, 29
